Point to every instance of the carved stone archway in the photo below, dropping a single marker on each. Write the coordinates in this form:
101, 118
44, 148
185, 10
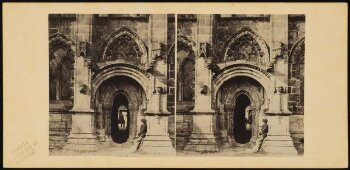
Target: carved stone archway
227, 98
247, 46
124, 44
247, 70
105, 99
121, 69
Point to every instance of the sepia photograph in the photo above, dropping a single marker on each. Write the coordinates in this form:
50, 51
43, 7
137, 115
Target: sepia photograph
240, 84
175, 85
111, 84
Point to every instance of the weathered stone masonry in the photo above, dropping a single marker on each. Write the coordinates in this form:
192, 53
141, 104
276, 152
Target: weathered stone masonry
100, 62
234, 69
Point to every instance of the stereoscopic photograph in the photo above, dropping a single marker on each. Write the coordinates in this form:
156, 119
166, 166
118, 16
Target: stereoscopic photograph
175, 85
239, 84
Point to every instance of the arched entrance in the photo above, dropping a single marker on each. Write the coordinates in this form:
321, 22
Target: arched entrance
242, 99
121, 101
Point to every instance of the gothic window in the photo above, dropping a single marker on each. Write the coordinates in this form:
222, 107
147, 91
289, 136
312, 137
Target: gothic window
60, 68
60, 76
247, 46
296, 66
188, 80
123, 49
124, 45
244, 48
186, 69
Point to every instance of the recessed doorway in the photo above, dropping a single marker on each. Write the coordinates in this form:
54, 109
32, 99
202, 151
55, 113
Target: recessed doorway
120, 119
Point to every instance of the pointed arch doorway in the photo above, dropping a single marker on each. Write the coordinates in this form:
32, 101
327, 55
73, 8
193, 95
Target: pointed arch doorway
122, 101
243, 98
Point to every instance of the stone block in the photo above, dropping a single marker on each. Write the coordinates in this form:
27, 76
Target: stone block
55, 117
57, 125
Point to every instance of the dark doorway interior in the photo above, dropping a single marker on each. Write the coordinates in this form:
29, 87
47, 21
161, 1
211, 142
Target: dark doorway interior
120, 118
240, 133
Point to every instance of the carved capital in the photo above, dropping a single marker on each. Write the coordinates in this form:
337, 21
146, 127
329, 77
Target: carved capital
158, 52
204, 90
205, 50
280, 50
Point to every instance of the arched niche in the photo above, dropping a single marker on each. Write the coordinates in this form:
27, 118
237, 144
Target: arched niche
124, 45
296, 69
234, 121
235, 70
246, 46
114, 92
186, 70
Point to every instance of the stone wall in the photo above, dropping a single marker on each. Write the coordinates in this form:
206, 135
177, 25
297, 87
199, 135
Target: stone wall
171, 129
296, 29
59, 127
296, 33
65, 24
183, 129
296, 128
171, 63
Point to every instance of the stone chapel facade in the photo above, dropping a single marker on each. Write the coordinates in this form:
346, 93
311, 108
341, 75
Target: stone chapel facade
235, 70
106, 66
230, 72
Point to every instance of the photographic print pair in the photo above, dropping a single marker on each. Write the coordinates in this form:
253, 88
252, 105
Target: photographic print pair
176, 84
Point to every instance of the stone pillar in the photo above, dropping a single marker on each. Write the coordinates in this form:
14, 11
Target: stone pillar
82, 136
101, 132
202, 138
158, 139
279, 139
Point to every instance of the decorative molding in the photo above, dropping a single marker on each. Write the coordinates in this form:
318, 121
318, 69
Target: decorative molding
241, 65
185, 43
59, 40
120, 69
247, 45
128, 42
158, 52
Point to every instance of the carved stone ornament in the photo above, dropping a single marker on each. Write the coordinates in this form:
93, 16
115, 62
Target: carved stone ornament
248, 46
126, 45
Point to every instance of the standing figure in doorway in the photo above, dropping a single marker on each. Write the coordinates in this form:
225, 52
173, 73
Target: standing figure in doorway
141, 134
121, 120
263, 135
